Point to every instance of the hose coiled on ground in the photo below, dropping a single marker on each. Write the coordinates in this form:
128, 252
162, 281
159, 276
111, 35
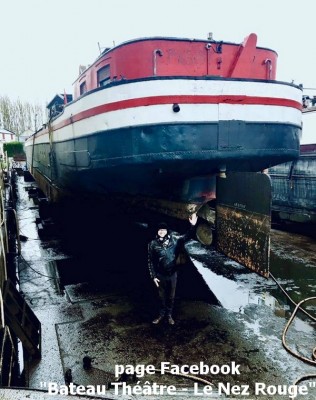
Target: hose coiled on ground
312, 360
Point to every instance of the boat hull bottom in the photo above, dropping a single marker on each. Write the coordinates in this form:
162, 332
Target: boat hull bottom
120, 202
243, 216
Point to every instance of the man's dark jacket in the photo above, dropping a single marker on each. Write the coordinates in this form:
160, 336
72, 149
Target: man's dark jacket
163, 253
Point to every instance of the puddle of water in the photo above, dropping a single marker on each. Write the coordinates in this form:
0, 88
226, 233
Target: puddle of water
230, 294
236, 287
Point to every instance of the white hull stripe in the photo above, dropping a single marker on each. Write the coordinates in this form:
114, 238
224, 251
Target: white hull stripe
263, 102
155, 115
209, 90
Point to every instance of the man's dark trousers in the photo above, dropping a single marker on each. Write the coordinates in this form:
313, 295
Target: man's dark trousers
167, 290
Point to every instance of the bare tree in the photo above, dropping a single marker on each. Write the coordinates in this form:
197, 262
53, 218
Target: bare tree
17, 116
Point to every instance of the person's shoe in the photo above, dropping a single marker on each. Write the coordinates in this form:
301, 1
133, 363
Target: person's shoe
157, 320
170, 321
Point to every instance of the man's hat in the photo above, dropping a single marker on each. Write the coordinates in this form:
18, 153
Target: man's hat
162, 225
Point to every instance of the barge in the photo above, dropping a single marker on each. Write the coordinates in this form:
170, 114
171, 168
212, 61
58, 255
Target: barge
155, 121
161, 117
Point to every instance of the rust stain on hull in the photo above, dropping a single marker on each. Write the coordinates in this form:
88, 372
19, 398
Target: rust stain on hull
244, 236
51, 191
161, 206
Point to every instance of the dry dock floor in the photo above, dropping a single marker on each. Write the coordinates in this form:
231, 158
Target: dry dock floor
100, 302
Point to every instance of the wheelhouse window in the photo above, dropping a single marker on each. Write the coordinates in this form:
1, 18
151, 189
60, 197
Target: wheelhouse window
83, 88
103, 75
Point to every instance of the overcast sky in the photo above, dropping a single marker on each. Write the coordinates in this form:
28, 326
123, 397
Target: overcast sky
43, 42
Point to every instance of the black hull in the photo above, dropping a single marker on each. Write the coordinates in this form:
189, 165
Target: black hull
174, 162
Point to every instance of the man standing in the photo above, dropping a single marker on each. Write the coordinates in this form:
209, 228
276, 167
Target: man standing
163, 252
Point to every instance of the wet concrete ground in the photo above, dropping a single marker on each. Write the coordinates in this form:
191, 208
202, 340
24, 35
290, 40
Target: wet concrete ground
91, 290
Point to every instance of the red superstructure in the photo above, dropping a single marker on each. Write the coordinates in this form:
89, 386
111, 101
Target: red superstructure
149, 57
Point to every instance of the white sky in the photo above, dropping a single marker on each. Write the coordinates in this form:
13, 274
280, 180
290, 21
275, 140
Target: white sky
43, 42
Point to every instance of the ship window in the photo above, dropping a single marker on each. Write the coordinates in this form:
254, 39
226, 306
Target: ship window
83, 88
104, 75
